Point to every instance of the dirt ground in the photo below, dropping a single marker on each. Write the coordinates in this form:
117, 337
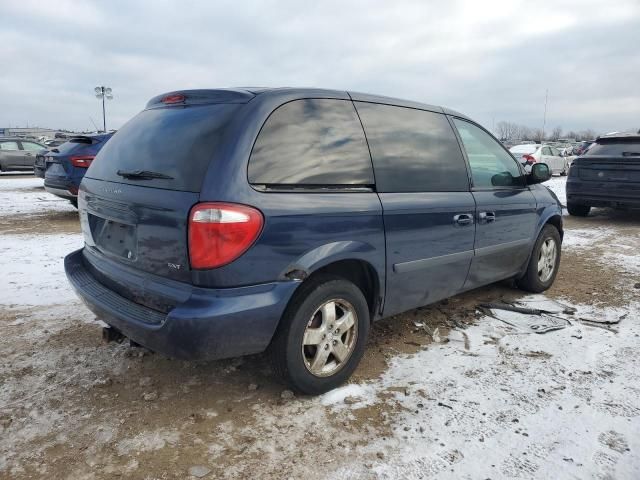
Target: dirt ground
74, 407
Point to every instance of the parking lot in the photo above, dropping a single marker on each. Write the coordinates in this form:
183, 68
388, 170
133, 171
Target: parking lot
442, 390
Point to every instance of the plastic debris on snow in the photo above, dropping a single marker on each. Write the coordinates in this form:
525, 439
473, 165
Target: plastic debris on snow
542, 315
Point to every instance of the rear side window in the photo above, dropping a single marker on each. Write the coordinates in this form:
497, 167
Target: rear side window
9, 146
616, 148
177, 142
311, 142
413, 150
32, 147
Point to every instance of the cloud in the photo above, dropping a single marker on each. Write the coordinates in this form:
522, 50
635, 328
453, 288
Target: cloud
491, 60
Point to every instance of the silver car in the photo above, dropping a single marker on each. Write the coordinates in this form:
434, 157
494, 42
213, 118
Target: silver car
18, 154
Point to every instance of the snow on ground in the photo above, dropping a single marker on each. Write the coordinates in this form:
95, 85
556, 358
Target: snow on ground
558, 405
585, 238
27, 195
33, 270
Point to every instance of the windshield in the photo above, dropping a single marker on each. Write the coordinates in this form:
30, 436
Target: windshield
175, 143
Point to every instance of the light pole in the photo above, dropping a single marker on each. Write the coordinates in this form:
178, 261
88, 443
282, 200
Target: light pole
103, 92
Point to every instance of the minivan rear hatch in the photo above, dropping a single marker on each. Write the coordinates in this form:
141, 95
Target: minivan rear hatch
135, 198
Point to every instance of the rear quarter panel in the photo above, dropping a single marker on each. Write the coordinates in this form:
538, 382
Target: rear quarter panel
301, 230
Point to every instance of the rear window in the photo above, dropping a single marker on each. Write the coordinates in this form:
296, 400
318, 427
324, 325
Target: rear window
524, 149
311, 142
413, 150
616, 148
178, 142
76, 143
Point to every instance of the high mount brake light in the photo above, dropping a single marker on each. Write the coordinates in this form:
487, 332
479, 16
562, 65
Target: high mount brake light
174, 98
82, 161
220, 232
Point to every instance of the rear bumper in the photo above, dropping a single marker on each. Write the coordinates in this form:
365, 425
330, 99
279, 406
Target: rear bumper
210, 324
60, 187
599, 194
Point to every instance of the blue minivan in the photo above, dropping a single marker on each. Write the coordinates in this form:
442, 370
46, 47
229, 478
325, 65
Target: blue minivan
220, 223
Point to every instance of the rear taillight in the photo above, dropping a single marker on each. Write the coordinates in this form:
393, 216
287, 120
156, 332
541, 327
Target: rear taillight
529, 159
83, 161
221, 232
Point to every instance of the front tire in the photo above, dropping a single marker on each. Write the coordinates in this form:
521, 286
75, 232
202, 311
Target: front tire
578, 210
544, 262
322, 335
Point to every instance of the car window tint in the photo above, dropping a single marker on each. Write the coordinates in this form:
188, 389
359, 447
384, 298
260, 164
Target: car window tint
616, 147
9, 146
546, 151
311, 142
413, 150
33, 147
491, 165
179, 142
555, 152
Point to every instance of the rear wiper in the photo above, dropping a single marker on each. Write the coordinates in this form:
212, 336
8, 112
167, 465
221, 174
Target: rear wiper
142, 175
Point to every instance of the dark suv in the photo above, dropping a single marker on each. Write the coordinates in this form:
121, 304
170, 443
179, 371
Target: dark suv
65, 165
220, 223
607, 175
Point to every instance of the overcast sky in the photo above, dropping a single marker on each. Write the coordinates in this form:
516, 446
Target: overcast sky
490, 60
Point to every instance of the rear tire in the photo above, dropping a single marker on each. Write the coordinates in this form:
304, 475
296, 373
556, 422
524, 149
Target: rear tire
302, 350
578, 210
544, 262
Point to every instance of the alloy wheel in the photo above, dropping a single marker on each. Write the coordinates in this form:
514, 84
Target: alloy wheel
330, 337
547, 259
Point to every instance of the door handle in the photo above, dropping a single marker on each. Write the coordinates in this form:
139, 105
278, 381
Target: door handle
486, 217
28, 154
463, 219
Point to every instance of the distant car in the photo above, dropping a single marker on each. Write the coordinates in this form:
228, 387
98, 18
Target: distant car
607, 175
66, 164
17, 154
581, 148
531, 153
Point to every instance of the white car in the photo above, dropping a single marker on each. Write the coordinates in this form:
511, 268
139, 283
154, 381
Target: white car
531, 153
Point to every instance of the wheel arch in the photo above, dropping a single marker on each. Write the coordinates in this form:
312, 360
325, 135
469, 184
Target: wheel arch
345, 260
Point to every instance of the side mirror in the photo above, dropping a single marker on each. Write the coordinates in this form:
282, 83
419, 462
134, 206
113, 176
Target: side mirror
539, 173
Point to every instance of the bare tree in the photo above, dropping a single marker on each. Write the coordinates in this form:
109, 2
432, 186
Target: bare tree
587, 134
537, 134
507, 130
524, 132
502, 130
556, 133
